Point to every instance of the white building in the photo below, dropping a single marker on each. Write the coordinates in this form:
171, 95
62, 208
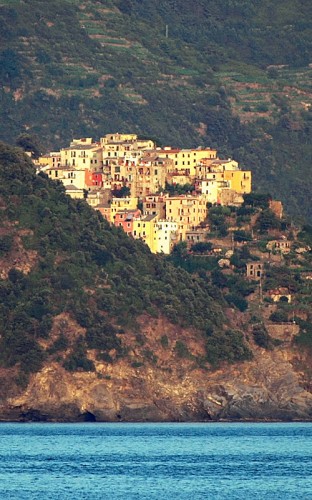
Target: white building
165, 236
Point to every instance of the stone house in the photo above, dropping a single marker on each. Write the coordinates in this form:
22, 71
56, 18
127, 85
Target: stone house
254, 270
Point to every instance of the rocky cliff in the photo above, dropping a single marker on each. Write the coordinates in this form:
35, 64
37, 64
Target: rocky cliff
94, 327
167, 387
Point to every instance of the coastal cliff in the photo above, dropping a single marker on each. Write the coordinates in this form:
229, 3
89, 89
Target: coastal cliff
93, 327
272, 386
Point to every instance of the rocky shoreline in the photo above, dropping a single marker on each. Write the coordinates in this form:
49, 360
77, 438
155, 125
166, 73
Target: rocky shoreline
267, 388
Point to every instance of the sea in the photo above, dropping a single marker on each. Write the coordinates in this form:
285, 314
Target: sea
156, 461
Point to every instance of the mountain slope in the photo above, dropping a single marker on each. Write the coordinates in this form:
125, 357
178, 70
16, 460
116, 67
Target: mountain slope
79, 68
59, 257
94, 327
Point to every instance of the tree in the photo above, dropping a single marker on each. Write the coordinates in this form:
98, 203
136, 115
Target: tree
258, 200
261, 336
201, 247
29, 143
121, 193
267, 220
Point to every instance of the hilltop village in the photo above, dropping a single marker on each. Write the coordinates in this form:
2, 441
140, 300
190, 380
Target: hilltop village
190, 204
158, 195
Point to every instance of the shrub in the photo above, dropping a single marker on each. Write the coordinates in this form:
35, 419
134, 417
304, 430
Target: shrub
201, 247
78, 360
279, 316
6, 243
227, 346
305, 333
164, 341
261, 336
237, 300
181, 350
60, 344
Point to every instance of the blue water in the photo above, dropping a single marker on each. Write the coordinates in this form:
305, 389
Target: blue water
156, 461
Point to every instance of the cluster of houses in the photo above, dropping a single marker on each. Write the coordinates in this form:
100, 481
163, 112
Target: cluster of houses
100, 172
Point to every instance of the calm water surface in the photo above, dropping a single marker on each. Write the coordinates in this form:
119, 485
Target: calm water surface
156, 461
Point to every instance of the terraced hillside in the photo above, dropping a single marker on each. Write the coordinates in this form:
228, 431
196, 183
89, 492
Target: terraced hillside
222, 74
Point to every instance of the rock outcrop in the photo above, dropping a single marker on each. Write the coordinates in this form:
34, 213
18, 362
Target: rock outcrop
269, 387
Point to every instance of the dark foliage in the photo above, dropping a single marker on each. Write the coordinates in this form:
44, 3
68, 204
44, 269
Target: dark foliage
132, 77
95, 273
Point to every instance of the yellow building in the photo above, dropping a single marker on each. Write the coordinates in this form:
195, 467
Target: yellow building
125, 146
187, 210
144, 229
67, 176
187, 159
227, 171
149, 177
55, 173
119, 204
208, 166
50, 160
181, 177
74, 192
114, 138
240, 180
82, 156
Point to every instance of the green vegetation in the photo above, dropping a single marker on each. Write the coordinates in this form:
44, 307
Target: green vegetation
95, 274
217, 220
305, 334
261, 336
181, 350
201, 247
232, 75
178, 189
229, 345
